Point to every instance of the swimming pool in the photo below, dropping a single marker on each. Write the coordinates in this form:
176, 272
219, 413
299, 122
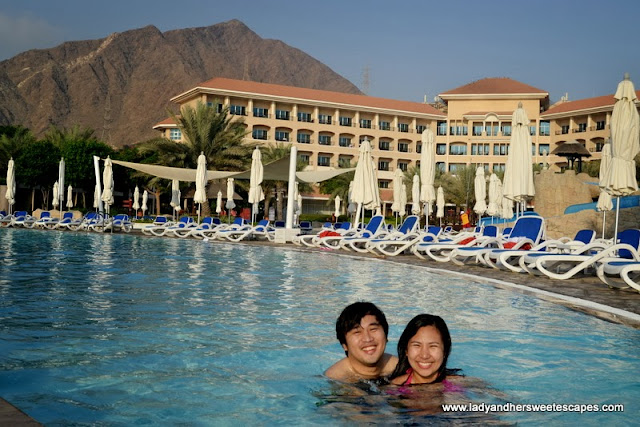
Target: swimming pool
123, 329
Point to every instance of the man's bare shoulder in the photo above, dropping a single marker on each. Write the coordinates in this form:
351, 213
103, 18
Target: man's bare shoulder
390, 363
339, 371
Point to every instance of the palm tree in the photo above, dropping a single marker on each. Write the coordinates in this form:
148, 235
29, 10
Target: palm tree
12, 140
338, 186
217, 135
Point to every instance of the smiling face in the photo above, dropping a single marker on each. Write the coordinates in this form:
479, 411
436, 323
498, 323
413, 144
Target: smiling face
425, 353
365, 344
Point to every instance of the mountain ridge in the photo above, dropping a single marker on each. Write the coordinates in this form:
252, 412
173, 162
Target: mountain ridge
121, 85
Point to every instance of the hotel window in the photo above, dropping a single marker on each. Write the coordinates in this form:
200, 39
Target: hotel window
458, 130
545, 128
345, 121
491, 129
600, 125
383, 183
324, 119
303, 158
282, 114
403, 147
599, 145
543, 148
324, 160
477, 129
217, 106
500, 149
441, 166
175, 134
403, 127
458, 149
282, 135
565, 129
238, 110
260, 112
259, 134
506, 130
324, 140
441, 149
385, 125
403, 166
304, 117
365, 123
532, 130
383, 165
454, 167
384, 145
344, 162
420, 129
442, 128
498, 167
479, 149
345, 141
582, 127
418, 147
304, 138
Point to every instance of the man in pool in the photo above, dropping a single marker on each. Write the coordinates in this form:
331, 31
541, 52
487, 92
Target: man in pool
362, 330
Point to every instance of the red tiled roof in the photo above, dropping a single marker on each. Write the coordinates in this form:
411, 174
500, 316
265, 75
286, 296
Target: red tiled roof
318, 95
583, 104
166, 122
493, 85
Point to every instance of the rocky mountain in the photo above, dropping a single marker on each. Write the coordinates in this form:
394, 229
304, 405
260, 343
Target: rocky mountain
121, 85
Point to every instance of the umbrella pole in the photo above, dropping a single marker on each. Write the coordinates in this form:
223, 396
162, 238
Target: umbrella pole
615, 235
604, 221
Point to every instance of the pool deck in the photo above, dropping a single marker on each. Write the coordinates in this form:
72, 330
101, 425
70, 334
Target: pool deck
582, 293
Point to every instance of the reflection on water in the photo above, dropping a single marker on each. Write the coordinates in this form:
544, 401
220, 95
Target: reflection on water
120, 329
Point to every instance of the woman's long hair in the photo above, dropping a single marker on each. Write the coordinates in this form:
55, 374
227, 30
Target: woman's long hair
422, 320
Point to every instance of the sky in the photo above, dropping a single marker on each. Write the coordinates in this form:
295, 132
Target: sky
408, 48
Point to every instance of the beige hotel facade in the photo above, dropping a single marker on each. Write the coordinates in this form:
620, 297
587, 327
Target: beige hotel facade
471, 123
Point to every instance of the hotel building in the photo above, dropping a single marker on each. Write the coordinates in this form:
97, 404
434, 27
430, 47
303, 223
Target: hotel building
471, 123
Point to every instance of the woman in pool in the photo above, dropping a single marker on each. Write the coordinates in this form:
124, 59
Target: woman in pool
423, 350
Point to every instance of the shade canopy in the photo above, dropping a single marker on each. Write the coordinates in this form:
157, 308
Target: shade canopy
572, 150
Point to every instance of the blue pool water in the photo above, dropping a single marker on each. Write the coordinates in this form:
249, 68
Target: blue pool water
122, 330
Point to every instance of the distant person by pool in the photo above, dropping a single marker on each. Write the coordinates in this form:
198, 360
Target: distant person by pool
362, 330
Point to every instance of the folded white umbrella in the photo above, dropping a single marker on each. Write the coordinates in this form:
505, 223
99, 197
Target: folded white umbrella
219, 203
69, 197
415, 195
175, 195
493, 209
605, 202
480, 188
336, 205
518, 173
136, 199
256, 195
200, 195
230, 192
365, 183
427, 172
440, 203
61, 171
107, 181
10, 195
96, 196
145, 196
56, 195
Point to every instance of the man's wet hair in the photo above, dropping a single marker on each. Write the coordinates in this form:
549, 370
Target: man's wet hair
352, 315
